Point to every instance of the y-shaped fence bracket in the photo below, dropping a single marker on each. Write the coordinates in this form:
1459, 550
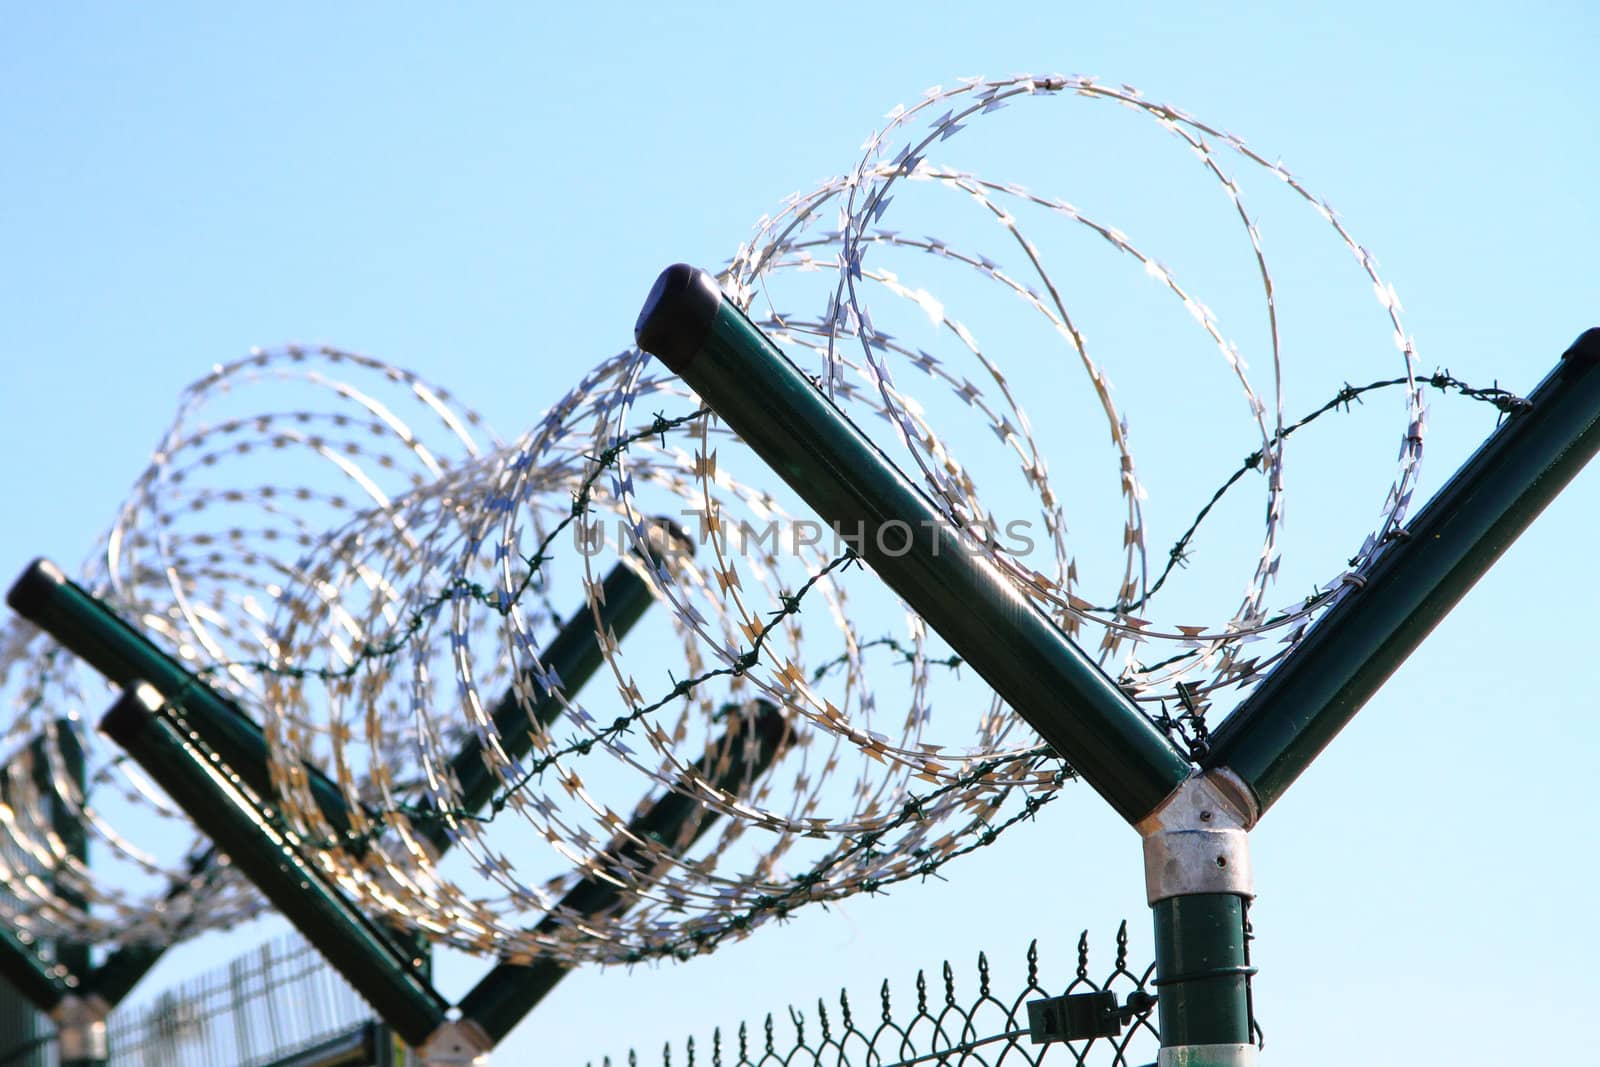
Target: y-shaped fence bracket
1198, 884
81, 1030
1193, 822
456, 1043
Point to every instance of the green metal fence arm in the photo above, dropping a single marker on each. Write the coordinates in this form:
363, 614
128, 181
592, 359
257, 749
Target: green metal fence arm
85, 625
573, 655
935, 568
162, 741
1298, 709
42, 983
511, 990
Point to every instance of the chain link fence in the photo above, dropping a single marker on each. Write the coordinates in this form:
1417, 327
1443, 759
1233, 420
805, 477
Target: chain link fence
950, 1021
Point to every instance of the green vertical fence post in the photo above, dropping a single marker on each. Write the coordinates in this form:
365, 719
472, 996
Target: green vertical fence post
677, 820
161, 740
934, 567
81, 1018
32, 986
1203, 979
67, 824
1412, 584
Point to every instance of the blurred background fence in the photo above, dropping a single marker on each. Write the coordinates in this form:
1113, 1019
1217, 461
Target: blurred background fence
280, 1004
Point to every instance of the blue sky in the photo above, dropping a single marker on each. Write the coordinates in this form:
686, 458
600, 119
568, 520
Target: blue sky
484, 196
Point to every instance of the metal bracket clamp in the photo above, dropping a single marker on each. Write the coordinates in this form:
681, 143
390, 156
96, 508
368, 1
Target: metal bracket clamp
1197, 840
458, 1043
81, 1029
1085, 1016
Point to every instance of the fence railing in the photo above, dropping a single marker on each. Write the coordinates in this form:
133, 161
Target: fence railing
263, 1008
977, 1020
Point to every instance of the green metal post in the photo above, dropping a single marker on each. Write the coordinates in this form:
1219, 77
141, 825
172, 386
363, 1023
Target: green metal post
163, 742
68, 826
574, 655
1203, 979
31, 985
82, 623
677, 820
88, 627
81, 1029
1298, 709
934, 567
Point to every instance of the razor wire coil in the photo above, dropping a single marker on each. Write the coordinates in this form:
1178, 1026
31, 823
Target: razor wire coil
372, 606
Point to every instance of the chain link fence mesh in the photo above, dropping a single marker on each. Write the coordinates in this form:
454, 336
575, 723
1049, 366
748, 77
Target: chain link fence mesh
979, 1019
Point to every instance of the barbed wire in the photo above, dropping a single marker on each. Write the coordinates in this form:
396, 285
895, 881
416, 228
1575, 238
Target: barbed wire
1505, 402
359, 561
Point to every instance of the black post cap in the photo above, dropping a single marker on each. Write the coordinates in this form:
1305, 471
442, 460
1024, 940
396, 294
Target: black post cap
34, 587
677, 315
138, 704
1586, 348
